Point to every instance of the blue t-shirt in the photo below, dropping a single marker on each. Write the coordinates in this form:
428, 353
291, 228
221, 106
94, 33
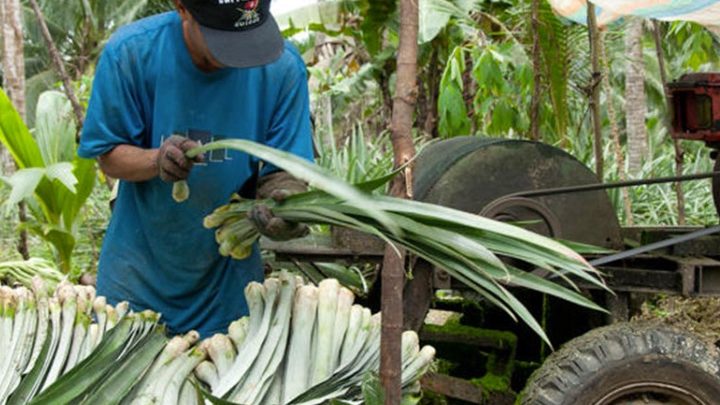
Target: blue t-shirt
156, 253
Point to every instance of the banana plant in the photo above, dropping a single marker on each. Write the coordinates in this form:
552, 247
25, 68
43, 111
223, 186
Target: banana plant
53, 181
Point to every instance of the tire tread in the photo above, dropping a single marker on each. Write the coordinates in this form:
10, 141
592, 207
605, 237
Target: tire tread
568, 369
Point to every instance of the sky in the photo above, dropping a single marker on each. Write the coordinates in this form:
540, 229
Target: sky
283, 6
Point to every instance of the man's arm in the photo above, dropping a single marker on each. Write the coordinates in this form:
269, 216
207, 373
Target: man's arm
130, 163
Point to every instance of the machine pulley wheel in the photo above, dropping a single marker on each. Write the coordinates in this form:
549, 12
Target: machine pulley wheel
516, 209
479, 175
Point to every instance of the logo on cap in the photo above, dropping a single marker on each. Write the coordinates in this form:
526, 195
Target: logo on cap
248, 14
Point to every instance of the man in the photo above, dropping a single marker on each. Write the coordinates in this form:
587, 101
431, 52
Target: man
213, 69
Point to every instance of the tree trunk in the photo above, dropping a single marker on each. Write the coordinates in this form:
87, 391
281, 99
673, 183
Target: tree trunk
595, 89
537, 66
635, 100
14, 83
13, 58
393, 273
679, 193
615, 133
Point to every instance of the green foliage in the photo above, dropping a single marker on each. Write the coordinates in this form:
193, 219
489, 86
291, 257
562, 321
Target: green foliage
556, 52
373, 393
51, 179
377, 15
79, 30
453, 113
357, 159
694, 47
498, 79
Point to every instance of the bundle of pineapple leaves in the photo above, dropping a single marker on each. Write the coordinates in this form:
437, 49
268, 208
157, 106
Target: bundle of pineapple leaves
469, 247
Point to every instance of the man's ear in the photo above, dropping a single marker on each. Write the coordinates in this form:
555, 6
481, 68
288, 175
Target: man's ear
184, 14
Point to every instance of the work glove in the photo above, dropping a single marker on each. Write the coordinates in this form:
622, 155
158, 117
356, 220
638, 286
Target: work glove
277, 186
172, 163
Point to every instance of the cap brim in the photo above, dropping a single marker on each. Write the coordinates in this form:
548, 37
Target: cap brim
258, 46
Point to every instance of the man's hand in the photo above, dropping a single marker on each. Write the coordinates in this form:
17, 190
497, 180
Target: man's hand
274, 227
172, 163
278, 186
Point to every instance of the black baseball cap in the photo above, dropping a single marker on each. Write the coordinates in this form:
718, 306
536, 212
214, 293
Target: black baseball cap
238, 33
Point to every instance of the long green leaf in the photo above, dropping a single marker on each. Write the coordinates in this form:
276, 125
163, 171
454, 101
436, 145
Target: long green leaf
88, 372
464, 219
24, 183
533, 282
306, 171
63, 173
85, 172
120, 382
55, 128
26, 390
16, 137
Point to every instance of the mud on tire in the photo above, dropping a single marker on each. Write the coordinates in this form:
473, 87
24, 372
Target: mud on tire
628, 363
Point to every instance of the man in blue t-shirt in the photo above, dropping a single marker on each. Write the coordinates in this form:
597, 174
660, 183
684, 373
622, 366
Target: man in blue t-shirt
214, 69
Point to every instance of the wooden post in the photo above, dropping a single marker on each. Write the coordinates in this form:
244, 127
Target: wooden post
676, 143
595, 89
393, 272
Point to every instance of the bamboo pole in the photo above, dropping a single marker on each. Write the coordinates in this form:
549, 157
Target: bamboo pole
393, 273
676, 143
595, 89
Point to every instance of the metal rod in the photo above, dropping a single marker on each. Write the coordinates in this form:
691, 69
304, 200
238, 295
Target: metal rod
607, 186
654, 246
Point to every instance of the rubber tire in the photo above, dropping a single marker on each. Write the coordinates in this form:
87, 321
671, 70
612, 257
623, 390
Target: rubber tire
590, 367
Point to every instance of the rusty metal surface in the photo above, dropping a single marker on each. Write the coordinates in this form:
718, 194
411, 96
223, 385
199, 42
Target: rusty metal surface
640, 280
618, 307
417, 296
459, 389
495, 341
453, 387
695, 102
355, 241
319, 249
668, 243
703, 246
701, 276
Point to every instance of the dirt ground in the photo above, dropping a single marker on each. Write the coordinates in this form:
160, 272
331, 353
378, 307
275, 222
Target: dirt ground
699, 315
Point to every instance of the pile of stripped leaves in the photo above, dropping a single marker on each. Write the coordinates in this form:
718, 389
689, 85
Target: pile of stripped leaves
301, 344
53, 351
23, 271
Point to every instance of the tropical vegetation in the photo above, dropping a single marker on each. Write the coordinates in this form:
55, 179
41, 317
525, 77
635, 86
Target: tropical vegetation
483, 71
